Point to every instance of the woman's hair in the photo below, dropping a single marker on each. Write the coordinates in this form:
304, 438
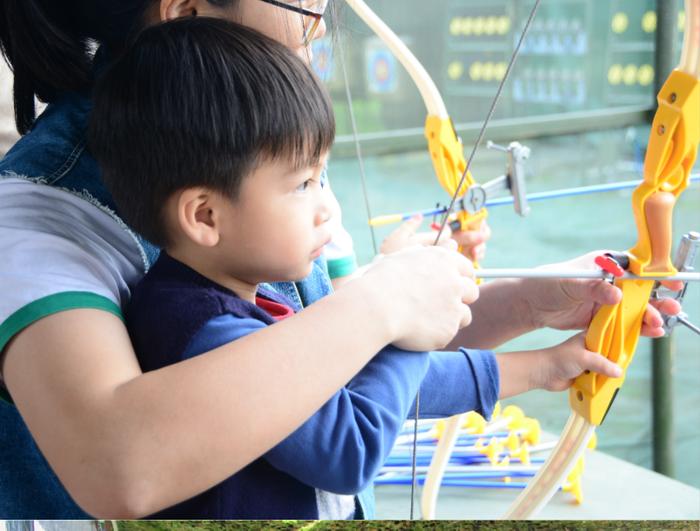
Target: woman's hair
49, 44
200, 102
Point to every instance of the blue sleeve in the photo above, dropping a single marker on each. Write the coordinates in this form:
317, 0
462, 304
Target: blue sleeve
457, 382
344, 444
219, 331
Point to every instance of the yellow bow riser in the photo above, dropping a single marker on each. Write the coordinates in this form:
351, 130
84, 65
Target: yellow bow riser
447, 154
614, 331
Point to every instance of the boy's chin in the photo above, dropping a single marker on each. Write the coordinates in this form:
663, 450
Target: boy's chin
305, 273
297, 275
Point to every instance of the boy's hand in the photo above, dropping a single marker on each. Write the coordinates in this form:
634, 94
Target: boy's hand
561, 364
570, 304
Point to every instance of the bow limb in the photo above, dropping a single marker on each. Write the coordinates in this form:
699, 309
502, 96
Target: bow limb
446, 149
447, 154
615, 329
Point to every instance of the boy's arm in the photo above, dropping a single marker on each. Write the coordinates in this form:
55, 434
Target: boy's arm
467, 380
553, 368
342, 446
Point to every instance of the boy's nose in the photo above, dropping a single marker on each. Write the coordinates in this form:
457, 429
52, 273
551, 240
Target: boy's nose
325, 210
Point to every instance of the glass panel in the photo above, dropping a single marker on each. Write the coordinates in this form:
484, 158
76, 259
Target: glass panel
580, 55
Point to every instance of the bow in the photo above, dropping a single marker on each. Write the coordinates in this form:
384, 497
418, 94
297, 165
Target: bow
452, 170
614, 330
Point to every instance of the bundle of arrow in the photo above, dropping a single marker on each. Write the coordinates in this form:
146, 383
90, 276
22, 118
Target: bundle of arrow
497, 454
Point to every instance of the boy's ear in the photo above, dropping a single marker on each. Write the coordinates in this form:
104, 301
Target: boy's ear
198, 216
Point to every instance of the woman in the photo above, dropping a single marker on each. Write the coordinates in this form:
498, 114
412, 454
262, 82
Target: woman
117, 446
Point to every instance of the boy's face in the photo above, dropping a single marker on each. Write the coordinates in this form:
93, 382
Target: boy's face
277, 226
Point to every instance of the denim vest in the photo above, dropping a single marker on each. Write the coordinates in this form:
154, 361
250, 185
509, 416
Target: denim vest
54, 153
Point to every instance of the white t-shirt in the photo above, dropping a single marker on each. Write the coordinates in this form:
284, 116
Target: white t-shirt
59, 251
340, 251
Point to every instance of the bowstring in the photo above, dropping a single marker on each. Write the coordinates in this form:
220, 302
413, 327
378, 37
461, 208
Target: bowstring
358, 147
450, 208
448, 212
482, 131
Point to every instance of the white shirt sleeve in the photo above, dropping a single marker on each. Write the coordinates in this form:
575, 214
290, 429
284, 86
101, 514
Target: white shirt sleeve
340, 251
60, 251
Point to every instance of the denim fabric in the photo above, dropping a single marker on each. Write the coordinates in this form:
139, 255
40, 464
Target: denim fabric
28, 487
54, 152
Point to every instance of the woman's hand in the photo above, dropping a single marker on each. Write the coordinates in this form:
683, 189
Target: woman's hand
407, 235
424, 292
570, 304
473, 243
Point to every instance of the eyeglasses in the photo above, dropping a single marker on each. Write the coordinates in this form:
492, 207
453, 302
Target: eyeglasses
309, 8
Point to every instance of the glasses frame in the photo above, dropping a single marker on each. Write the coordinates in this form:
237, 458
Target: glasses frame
311, 31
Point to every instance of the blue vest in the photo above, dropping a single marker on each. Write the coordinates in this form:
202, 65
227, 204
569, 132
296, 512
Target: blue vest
161, 338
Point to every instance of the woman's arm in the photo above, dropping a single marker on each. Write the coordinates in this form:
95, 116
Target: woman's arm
500, 314
126, 444
509, 308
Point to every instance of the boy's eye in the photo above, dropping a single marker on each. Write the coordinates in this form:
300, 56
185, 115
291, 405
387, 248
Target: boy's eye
304, 186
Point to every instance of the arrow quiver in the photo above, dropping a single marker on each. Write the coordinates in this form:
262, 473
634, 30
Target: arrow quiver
614, 331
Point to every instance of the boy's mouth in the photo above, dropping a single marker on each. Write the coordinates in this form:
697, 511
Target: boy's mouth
317, 252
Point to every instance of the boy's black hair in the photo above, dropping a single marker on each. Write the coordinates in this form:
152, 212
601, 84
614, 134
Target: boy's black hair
199, 102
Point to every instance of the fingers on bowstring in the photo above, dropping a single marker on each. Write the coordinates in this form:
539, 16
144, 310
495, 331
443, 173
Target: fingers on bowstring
445, 232
411, 225
470, 238
428, 238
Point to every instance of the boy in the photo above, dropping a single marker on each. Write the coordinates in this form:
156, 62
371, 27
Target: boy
212, 140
